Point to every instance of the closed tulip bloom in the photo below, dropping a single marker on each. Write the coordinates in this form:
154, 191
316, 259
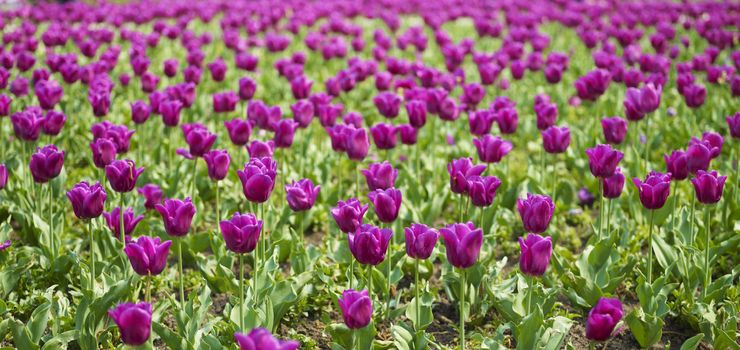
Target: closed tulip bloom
134, 321
103, 152
386, 203
615, 129
122, 175
508, 120
547, 114
224, 101
259, 149
241, 233
388, 104
480, 122
87, 201
3, 176
650, 97
27, 125
733, 123
380, 176
19, 86
472, 94
6, 101
603, 160
301, 87
217, 161
348, 215
384, 135
353, 119
613, 185
585, 198
694, 95
459, 171
53, 122
420, 241
407, 133
258, 179
357, 308
284, 132
199, 138
148, 257
48, 93
261, 339
301, 195
698, 155
482, 189
715, 141
535, 254
338, 137
491, 149
152, 195
462, 242
357, 144
247, 88
218, 69
46, 164
239, 131
177, 216
708, 186
655, 190
602, 319
369, 244
119, 134
677, 165
536, 212
170, 67
113, 219
302, 113
556, 140
170, 111
417, 113
448, 109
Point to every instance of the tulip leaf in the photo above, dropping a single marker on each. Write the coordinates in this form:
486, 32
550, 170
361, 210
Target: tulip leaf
692, 343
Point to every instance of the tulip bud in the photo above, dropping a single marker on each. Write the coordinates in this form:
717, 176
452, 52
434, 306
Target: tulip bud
369, 244
603, 160
613, 185
380, 176
148, 257
258, 179
217, 162
462, 243
301, 195
152, 195
708, 186
602, 319
384, 135
348, 215
420, 241
122, 175
357, 308
556, 140
386, 203
615, 129
491, 149
134, 321
241, 233
3, 176
535, 254
260, 338
46, 164
459, 171
655, 190
177, 216
536, 212
87, 201
677, 165
482, 190
113, 219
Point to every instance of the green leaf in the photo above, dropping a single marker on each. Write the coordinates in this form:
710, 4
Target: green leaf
38, 321
693, 342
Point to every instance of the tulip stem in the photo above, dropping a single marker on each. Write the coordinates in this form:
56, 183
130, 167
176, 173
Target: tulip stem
179, 261
92, 257
542, 165
608, 218
369, 281
354, 339
351, 272
673, 213
195, 174
388, 289
530, 289
650, 249
416, 292
122, 233
462, 309
357, 179
692, 220
51, 223
707, 241
601, 207
645, 159
149, 287
241, 292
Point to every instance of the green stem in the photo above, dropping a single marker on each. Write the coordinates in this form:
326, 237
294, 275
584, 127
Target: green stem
673, 213
241, 292
122, 233
92, 257
351, 272
148, 287
542, 165
692, 221
707, 241
195, 175
182, 278
608, 218
354, 339
462, 309
530, 289
388, 287
650, 249
645, 159
357, 180
416, 292
601, 207
52, 241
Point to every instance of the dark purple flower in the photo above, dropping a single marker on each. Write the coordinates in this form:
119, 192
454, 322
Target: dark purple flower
122, 175
53, 122
615, 129
536, 212
261, 339
284, 132
613, 185
259, 149
177, 216
417, 113
694, 95
407, 133
733, 123
655, 190
218, 69
380, 176
708, 186
420, 241
239, 131
507, 120
386, 203
462, 243
357, 309
384, 135
103, 152
480, 122
459, 171
148, 257
301, 195
369, 244
3, 176
170, 111
348, 215
602, 319
302, 113
134, 321
46, 164
482, 189
225, 102
388, 104
547, 114
603, 160
113, 219
241, 233
585, 198
556, 140
698, 155
87, 201
258, 179
140, 112
48, 93
27, 125
357, 143
491, 149
535, 254
715, 142
677, 165
217, 161
199, 138
152, 195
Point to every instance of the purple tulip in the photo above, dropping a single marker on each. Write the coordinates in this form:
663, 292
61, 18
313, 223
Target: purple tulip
708, 186
218, 69
480, 122
535, 254
19, 86
301, 195
27, 125
258, 179
6, 101
357, 308
218, 162
48, 93
482, 189
420, 241
536, 212
387, 203
113, 219
177, 216
472, 94
140, 112
87, 201
384, 135
603, 160
615, 129
655, 190
348, 215
134, 321
259, 149
119, 134
301, 87
715, 142
556, 140
462, 243
417, 113
380, 176
694, 95
369, 244
698, 155
593, 84
239, 131
388, 104
152, 195
602, 319
613, 185
357, 143
261, 339
122, 175
507, 120
247, 88
677, 165
241, 233
460, 170
148, 257
407, 133
302, 113
103, 152
199, 138
46, 164
547, 114
3, 176
491, 149
284, 132
224, 102
53, 122
733, 123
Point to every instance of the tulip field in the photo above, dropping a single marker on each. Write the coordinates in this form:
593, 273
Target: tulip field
378, 174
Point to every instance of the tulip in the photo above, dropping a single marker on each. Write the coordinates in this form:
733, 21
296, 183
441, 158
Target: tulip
247, 88
46, 164
615, 129
3, 176
507, 120
459, 171
261, 339
547, 114
654, 191
480, 122
177, 216
386, 203
417, 113
113, 219
258, 179
380, 176
348, 215
388, 104
302, 113
714, 141
301, 195
338, 137
677, 165
27, 125
472, 94
301, 87
48, 93
708, 186
353, 119
148, 257
536, 212
384, 135
603, 160
535, 254
134, 322
284, 132
239, 131
585, 198
482, 190
694, 95
368, 244
152, 195
224, 102
602, 319
420, 241
733, 123
218, 69
448, 109
103, 152
357, 143
87, 201
170, 111
407, 133
199, 138
613, 185
491, 149
217, 162
122, 175
53, 123
19, 86
170, 67
149, 82
119, 134
357, 308
556, 140
5, 103
241, 233
259, 149
698, 155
